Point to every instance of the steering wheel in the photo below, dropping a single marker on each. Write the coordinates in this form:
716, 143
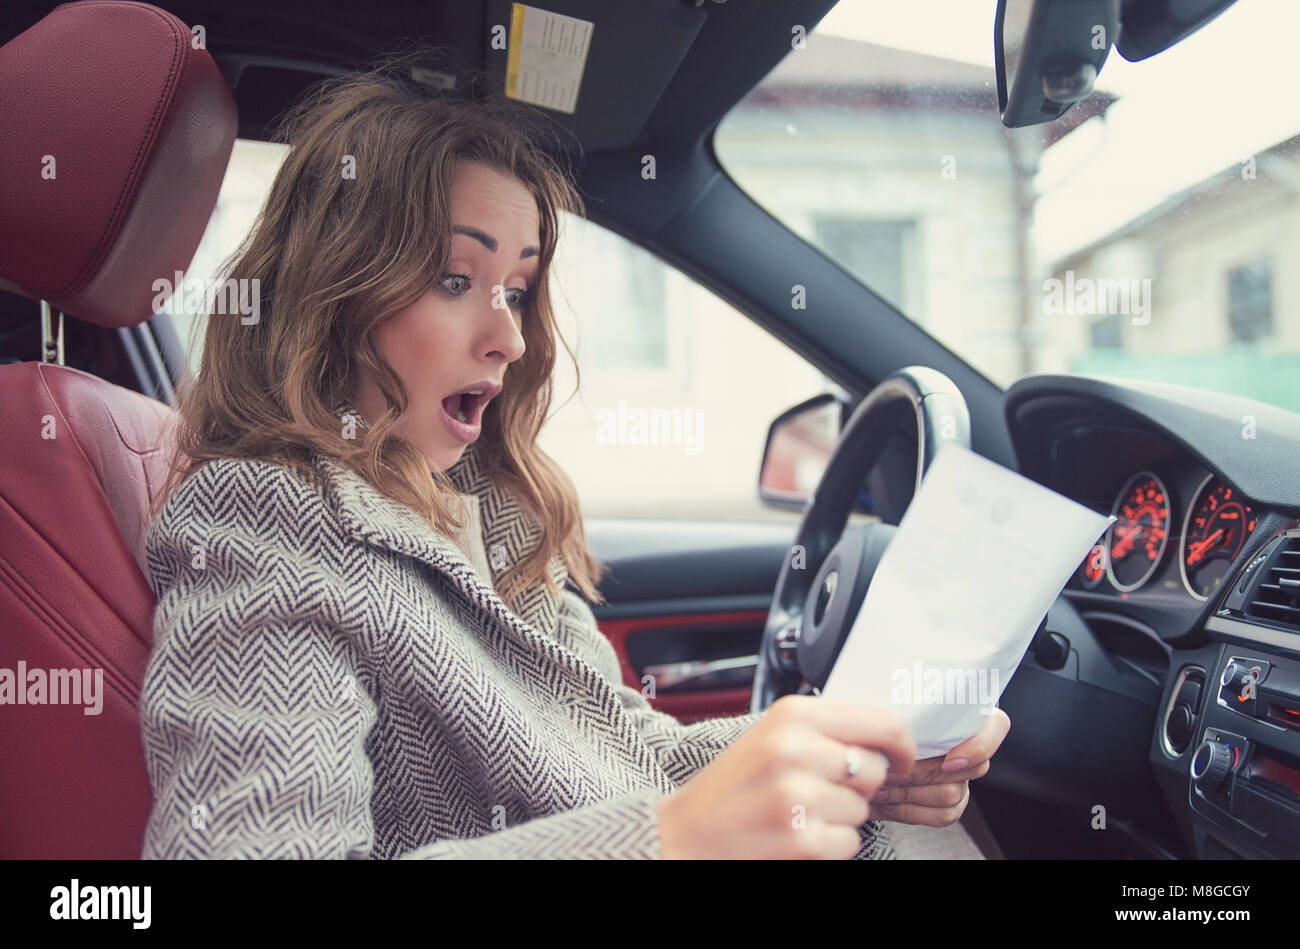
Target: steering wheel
826, 575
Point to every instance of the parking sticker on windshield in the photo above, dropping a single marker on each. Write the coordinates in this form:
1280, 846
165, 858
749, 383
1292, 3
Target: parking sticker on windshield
548, 52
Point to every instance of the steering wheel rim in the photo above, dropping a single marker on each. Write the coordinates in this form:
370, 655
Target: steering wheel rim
803, 633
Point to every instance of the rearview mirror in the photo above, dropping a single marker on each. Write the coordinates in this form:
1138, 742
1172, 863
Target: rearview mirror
1048, 54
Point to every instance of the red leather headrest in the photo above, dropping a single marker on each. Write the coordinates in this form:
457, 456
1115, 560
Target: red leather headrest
115, 133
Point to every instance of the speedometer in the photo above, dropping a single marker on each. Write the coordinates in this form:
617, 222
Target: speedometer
1136, 541
1216, 528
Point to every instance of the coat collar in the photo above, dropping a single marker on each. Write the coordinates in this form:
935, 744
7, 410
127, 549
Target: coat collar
509, 534
369, 516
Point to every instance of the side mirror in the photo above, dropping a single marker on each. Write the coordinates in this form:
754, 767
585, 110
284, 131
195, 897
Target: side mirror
799, 447
1048, 54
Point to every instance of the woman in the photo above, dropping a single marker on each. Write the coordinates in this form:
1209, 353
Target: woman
363, 645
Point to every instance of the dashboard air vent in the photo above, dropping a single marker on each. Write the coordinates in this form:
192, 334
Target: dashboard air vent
1277, 595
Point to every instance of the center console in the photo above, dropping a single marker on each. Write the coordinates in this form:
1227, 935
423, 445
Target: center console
1243, 780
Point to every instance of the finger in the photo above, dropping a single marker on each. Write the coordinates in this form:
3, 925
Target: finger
840, 804
823, 802
967, 774
819, 786
929, 795
920, 813
871, 766
810, 841
829, 759
983, 745
829, 842
867, 726
930, 771
845, 841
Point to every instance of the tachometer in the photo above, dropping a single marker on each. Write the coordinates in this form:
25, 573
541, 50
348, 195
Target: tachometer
1217, 525
1136, 541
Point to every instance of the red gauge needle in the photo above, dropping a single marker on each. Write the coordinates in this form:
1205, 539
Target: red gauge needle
1198, 549
1126, 541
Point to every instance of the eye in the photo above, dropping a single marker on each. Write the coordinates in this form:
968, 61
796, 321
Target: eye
522, 297
456, 276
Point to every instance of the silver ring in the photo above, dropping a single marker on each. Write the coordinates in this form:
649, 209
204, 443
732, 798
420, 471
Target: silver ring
852, 762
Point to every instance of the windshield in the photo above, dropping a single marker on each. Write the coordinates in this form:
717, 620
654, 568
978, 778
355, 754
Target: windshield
1145, 235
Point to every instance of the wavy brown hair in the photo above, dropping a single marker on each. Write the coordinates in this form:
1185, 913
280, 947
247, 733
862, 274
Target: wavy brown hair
335, 257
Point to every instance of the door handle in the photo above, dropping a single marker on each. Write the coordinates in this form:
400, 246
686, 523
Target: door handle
684, 676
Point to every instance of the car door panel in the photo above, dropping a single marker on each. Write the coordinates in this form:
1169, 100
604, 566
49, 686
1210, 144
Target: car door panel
687, 603
690, 665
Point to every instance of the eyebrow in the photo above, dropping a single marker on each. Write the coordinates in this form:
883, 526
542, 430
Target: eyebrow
490, 242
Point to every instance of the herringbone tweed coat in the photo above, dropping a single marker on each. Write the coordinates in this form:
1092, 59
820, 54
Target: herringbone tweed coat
332, 678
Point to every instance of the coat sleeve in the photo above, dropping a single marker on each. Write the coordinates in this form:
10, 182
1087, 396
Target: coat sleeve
682, 750
256, 704
254, 709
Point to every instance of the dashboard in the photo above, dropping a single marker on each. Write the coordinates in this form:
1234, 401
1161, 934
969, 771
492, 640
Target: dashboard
1180, 527
1184, 616
1197, 482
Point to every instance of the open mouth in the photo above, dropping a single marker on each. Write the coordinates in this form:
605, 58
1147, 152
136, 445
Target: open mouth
466, 407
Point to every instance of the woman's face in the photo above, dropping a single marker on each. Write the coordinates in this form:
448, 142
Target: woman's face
463, 334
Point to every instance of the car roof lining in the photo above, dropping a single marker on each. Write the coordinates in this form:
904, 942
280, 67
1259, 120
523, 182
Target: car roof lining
691, 64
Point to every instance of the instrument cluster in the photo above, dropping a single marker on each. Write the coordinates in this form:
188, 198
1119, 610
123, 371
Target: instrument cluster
1207, 535
1179, 528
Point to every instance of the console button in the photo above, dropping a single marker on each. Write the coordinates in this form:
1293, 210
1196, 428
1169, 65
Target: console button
1241, 681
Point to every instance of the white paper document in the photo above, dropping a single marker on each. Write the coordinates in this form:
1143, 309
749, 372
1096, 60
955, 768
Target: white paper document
979, 557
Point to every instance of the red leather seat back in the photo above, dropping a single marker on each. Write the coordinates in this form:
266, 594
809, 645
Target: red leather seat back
140, 125
85, 458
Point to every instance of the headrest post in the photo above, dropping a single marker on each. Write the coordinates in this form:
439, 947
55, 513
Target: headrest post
51, 335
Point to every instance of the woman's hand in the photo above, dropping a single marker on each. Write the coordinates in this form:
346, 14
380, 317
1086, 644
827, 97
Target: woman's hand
934, 797
782, 789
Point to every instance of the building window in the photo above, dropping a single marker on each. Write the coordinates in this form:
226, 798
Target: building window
1107, 332
1250, 301
877, 252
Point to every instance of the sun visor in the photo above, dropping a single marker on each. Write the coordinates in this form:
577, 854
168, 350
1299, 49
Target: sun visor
592, 66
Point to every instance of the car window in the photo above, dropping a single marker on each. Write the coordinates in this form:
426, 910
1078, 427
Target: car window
678, 388
1145, 235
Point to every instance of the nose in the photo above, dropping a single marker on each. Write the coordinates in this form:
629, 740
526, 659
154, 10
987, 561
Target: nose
503, 338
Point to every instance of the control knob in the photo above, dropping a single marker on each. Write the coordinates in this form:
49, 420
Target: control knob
1211, 764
